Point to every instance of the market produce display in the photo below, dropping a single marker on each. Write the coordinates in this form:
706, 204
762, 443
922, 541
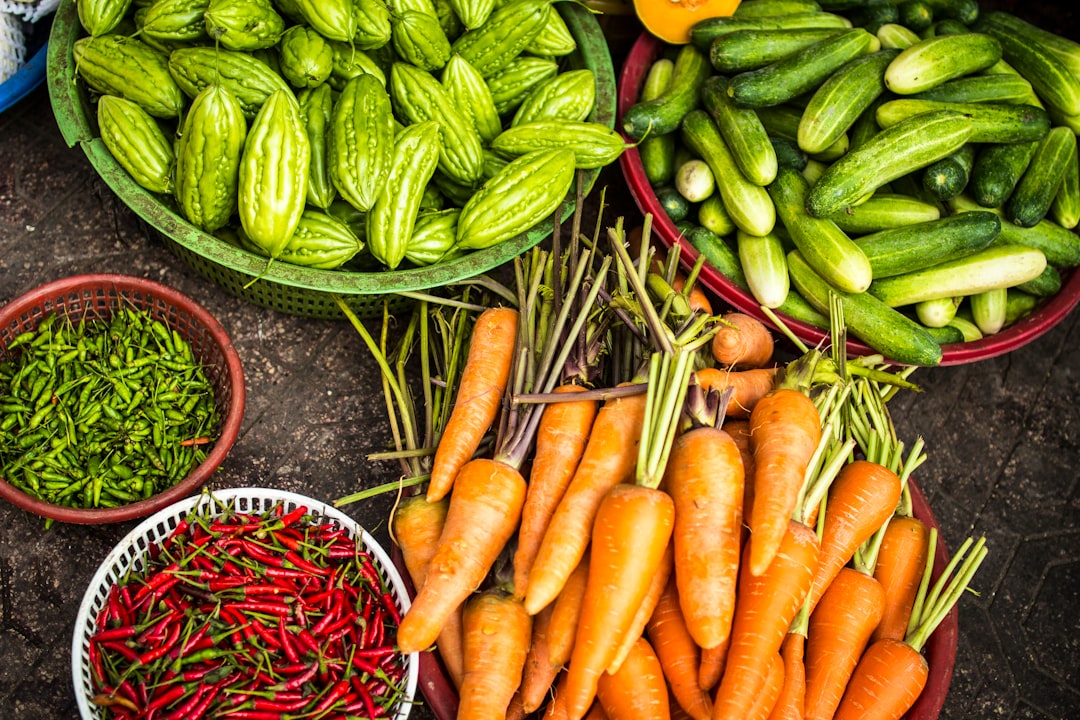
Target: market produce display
920, 164
331, 136
593, 528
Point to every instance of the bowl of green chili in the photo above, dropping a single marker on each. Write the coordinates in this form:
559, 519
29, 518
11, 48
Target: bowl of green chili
118, 396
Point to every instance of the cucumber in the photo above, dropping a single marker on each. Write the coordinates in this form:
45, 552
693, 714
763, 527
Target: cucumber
945, 335
999, 87
997, 169
883, 211
1046, 284
765, 8
841, 99
1035, 191
657, 152
998, 266
788, 153
937, 313
883, 328
751, 49
713, 215
949, 176
662, 114
908, 248
913, 143
814, 170
783, 121
916, 15
1060, 246
992, 122
988, 310
933, 61
1065, 209
719, 254
963, 11
694, 180
1066, 49
1018, 305
673, 203
822, 243
704, 31
967, 329
865, 126
892, 35
799, 72
1047, 73
748, 204
948, 26
764, 264
742, 130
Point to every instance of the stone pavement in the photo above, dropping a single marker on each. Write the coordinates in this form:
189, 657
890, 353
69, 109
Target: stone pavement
1003, 438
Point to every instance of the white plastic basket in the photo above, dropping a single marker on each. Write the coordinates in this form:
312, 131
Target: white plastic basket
132, 551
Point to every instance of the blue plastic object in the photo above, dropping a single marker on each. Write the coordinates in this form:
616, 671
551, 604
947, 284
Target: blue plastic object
25, 80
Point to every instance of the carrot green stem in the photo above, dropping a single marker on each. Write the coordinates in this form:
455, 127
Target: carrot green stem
669, 376
599, 394
931, 609
787, 332
457, 302
380, 489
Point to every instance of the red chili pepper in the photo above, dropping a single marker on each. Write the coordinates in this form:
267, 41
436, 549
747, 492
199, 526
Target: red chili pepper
264, 633
170, 641
294, 516
118, 633
123, 650
298, 561
284, 573
166, 698
269, 608
367, 704
308, 641
279, 704
337, 692
297, 680
287, 645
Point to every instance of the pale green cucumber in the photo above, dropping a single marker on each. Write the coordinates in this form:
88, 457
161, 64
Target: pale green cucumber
764, 264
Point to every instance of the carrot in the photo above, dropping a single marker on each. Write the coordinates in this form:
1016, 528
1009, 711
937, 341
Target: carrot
609, 458
539, 674
712, 665
899, 565
638, 689
791, 699
770, 692
560, 441
742, 342
838, 633
483, 514
596, 712
497, 632
764, 608
699, 301
747, 386
629, 538
516, 711
657, 583
785, 429
416, 526
556, 706
679, 655
479, 395
566, 609
739, 430
861, 499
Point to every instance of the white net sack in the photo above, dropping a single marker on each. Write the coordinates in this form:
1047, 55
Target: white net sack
15, 20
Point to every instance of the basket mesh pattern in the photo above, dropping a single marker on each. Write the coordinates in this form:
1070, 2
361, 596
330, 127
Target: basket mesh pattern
12, 46
131, 553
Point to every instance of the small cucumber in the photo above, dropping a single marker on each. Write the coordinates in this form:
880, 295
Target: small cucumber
999, 87
997, 169
657, 152
1031, 199
663, 114
1065, 209
915, 15
822, 243
674, 204
998, 266
933, 61
764, 264
914, 247
788, 153
800, 72
719, 254
742, 130
937, 313
883, 328
968, 330
945, 335
1060, 246
913, 143
898, 36
749, 49
694, 180
840, 100
703, 32
1046, 284
992, 122
949, 176
883, 211
783, 121
765, 8
988, 310
1019, 304
962, 11
712, 214
748, 204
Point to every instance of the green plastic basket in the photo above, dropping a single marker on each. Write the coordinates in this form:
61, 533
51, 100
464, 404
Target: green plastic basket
289, 288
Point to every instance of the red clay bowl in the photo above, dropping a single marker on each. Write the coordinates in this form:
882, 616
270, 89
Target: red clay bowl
97, 296
940, 651
645, 50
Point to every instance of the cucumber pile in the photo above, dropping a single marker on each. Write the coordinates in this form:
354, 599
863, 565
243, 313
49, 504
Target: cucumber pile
918, 159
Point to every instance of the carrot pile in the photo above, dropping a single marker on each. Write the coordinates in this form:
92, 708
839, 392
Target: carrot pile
630, 507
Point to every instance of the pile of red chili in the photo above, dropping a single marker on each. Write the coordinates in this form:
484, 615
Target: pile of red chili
250, 616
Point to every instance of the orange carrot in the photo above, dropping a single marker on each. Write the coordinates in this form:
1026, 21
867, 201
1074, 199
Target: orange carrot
561, 435
712, 665
770, 692
705, 479
657, 583
764, 608
862, 498
539, 674
742, 342
609, 458
890, 675
516, 711
678, 653
565, 613
837, 635
747, 386
739, 430
791, 700
484, 510
629, 538
638, 689
479, 395
785, 429
416, 527
556, 706
497, 632
596, 712
899, 568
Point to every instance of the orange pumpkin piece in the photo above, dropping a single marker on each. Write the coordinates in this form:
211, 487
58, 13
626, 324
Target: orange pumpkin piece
671, 20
